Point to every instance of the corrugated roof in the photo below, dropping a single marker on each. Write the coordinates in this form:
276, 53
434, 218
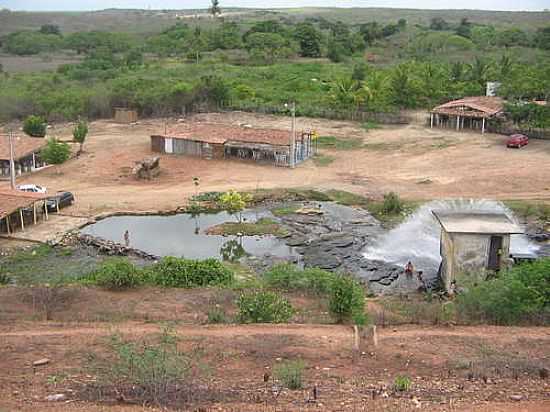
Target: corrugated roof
478, 106
476, 222
12, 200
22, 146
221, 133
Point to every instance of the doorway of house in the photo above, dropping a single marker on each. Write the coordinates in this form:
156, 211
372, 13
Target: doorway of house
495, 248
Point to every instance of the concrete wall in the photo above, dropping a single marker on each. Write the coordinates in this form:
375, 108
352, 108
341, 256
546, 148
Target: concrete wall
468, 254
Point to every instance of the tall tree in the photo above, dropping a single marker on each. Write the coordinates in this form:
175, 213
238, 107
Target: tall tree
309, 39
80, 132
215, 9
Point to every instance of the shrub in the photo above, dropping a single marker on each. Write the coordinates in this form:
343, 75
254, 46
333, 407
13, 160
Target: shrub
216, 315
55, 152
4, 278
288, 277
347, 300
115, 274
185, 273
402, 383
49, 298
521, 295
35, 126
392, 204
290, 374
263, 307
151, 372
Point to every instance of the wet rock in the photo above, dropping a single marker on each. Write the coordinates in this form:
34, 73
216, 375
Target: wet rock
41, 362
516, 398
296, 241
322, 260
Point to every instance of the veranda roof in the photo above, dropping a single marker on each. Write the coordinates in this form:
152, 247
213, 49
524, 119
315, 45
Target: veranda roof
478, 106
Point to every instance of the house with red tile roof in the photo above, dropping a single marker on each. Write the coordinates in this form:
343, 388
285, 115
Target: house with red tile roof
218, 141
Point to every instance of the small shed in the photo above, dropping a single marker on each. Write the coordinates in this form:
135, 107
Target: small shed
125, 115
19, 209
473, 243
26, 154
217, 141
469, 112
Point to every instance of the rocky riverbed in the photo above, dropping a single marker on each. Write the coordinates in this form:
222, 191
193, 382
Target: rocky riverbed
333, 237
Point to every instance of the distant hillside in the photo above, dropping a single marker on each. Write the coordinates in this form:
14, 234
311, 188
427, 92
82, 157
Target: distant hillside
147, 21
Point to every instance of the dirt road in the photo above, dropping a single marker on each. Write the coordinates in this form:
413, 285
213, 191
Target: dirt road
417, 162
239, 355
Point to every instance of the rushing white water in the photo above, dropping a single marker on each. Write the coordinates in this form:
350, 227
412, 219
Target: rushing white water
417, 238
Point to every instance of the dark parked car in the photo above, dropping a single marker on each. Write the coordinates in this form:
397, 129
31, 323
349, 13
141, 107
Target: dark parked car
517, 140
62, 199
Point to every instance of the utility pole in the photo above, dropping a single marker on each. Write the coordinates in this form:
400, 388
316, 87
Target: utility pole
292, 134
12, 163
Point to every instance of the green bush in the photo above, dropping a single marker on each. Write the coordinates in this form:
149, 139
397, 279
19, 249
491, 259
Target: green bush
115, 274
216, 315
290, 374
263, 307
151, 372
392, 204
4, 278
521, 295
347, 300
186, 273
402, 383
289, 277
35, 126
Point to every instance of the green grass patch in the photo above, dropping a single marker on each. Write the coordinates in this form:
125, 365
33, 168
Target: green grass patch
339, 143
530, 210
323, 160
347, 198
263, 226
370, 125
285, 210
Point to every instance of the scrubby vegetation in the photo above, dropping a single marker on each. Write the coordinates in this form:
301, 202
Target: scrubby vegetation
255, 65
151, 372
290, 373
115, 274
520, 295
186, 273
264, 307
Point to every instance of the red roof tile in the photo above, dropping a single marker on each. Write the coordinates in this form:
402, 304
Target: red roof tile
221, 133
22, 146
12, 200
478, 106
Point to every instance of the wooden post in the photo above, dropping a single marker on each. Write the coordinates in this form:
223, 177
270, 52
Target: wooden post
34, 212
21, 217
457, 123
8, 223
45, 210
431, 120
483, 125
356, 339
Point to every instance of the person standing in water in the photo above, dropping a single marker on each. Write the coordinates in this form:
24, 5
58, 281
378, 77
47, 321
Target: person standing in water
127, 238
409, 268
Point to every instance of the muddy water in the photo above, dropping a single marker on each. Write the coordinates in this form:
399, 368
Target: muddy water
183, 235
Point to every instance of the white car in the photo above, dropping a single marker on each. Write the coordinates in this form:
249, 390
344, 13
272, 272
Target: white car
32, 188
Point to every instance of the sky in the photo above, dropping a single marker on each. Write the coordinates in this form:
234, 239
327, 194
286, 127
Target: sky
51, 5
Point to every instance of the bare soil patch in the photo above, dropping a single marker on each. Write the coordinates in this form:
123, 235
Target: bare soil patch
415, 161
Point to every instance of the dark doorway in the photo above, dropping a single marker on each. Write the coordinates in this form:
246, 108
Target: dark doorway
494, 253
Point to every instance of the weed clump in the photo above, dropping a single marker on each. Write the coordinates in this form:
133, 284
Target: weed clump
115, 274
186, 273
392, 204
402, 383
263, 307
290, 373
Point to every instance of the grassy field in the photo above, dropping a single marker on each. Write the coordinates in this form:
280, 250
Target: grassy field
147, 21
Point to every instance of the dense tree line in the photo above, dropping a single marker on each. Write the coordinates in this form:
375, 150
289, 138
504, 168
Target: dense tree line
153, 73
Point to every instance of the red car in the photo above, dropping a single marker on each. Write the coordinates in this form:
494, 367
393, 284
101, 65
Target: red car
517, 140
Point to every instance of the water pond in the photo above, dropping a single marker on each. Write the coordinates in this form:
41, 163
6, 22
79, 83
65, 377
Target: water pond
184, 235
